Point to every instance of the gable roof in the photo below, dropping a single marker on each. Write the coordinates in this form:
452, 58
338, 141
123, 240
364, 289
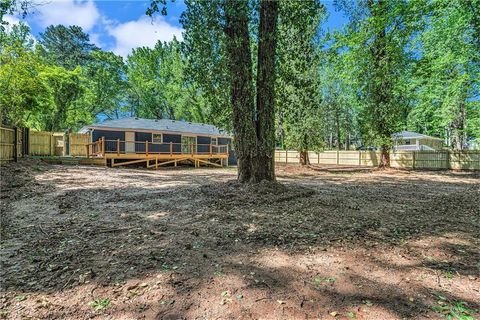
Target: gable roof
412, 135
178, 126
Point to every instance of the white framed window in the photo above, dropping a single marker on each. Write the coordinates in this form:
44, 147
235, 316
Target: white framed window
214, 141
157, 138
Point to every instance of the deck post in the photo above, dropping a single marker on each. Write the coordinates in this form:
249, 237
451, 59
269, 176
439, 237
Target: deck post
171, 149
146, 148
192, 146
156, 162
118, 147
103, 146
211, 150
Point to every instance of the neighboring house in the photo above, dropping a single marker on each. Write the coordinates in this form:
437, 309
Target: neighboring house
413, 141
161, 133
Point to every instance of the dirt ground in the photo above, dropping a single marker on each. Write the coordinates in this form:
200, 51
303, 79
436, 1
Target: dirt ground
82, 242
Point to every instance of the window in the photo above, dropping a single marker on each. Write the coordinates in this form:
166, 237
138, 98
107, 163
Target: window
214, 141
407, 141
157, 138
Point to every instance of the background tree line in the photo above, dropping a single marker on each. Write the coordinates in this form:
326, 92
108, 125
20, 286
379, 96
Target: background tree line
395, 65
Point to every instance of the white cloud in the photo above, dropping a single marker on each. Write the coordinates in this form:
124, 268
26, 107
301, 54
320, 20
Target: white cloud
142, 32
68, 12
13, 20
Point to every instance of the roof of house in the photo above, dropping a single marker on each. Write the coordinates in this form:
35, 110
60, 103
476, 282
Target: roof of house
412, 135
158, 125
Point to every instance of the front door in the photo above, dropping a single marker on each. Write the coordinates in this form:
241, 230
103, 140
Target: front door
129, 142
187, 143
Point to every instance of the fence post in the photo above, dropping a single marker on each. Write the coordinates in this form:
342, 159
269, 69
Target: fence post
414, 158
359, 157
286, 156
15, 144
51, 143
338, 157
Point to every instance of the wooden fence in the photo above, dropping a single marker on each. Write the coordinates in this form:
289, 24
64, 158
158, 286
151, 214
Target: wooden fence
77, 142
459, 160
40, 143
9, 145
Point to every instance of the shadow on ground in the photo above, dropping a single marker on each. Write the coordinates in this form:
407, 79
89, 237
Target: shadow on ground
186, 244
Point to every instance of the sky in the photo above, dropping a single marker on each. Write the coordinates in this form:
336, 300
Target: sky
122, 25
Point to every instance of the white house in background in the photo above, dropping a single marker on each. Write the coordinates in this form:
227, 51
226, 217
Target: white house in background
413, 141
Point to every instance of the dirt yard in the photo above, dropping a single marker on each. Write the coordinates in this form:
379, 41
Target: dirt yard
89, 242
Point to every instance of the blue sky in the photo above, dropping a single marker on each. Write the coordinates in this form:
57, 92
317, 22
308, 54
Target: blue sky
120, 26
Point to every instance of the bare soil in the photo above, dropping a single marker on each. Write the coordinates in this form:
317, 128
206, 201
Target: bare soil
323, 243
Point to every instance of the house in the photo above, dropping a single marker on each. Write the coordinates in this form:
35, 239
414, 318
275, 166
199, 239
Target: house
133, 138
413, 141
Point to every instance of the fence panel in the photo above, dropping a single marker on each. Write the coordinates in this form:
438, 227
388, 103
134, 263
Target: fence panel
402, 159
7, 139
41, 143
77, 142
431, 160
460, 160
464, 160
328, 157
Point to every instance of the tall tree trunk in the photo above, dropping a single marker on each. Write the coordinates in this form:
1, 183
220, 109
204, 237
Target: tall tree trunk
241, 93
263, 161
384, 156
304, 159
382, 98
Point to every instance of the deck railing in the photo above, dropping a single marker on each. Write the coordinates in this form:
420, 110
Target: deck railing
102, 146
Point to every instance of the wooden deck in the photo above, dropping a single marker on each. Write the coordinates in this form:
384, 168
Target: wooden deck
154, 155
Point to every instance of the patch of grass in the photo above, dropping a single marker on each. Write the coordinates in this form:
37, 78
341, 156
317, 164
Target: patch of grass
4, 313
454, 309
98, 303
319, 280
21, 298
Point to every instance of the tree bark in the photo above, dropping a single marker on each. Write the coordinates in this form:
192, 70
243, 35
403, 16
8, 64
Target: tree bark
304, 159
263, 161
384, 156
241, 91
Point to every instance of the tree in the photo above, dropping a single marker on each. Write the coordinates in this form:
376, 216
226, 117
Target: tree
68, 47
65, 88
297, 98
206, 61
105, 86
375, 52
157, 84
254, 137
446, 80
22, 93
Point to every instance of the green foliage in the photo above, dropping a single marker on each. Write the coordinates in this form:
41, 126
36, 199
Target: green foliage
99, 304
454, 309
68, 47
446, 78
297, 86
157, 85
